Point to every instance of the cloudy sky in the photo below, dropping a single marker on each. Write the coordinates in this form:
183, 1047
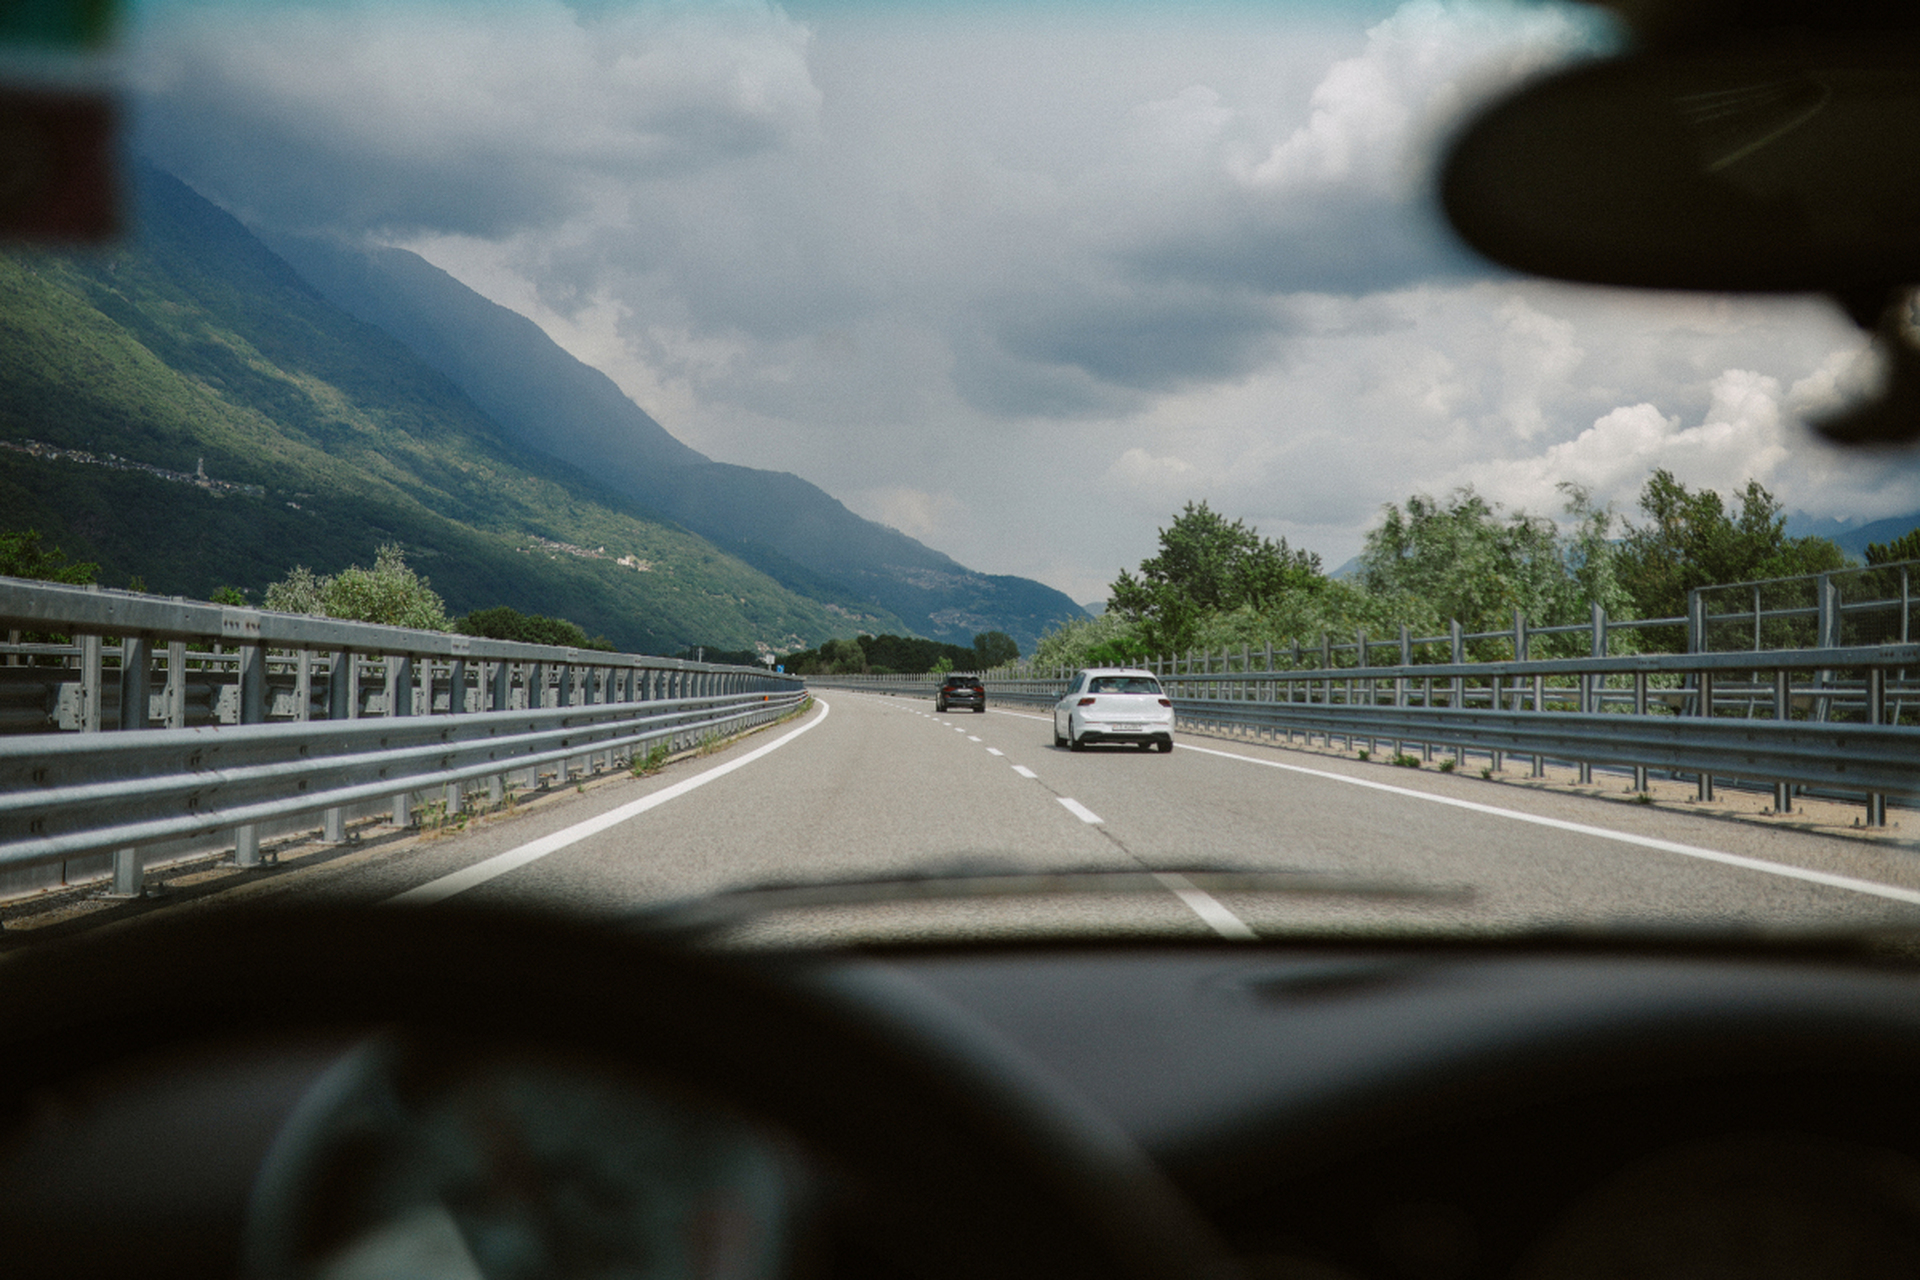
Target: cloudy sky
1017, 278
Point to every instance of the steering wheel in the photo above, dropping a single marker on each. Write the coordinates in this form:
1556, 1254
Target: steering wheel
950, 1165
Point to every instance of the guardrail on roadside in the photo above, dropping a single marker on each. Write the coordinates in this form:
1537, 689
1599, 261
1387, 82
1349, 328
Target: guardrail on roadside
155, 720
1836, 718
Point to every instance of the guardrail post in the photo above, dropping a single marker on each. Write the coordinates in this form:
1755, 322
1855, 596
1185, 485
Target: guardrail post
253, 710
1876, 712
1829, 606
90, 678
176, 695
1539, 704
1457, 654
136, 658
1496, 757
1639, 709
1696, 621
1705, 678
1782, 710
342, 704
1592, 685
303, 686
400, 703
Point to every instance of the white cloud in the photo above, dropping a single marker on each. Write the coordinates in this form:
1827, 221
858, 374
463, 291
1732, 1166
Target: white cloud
915, 512
1119, 258
418, 117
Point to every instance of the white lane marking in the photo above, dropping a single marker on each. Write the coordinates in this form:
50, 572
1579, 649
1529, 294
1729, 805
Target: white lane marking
1206, 906
971, 738
1080, 811
1831, 881
1024, 772
995, 751
498, 865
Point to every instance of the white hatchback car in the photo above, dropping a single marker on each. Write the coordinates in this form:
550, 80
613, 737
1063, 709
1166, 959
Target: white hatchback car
1114, 704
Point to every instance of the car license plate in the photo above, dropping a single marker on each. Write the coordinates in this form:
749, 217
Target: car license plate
1126, 728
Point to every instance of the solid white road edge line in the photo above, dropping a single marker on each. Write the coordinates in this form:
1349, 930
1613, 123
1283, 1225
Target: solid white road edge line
498, 865
1080, 811
1786, 870
1206, 906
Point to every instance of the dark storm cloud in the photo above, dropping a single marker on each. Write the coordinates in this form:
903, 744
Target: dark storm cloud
1136, 340
1338, 242
430, 118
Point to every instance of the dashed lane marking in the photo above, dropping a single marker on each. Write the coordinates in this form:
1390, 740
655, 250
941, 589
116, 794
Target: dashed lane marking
1206, 906
1080, 811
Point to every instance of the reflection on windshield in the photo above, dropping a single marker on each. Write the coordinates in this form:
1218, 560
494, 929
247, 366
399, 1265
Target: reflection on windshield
516, 1169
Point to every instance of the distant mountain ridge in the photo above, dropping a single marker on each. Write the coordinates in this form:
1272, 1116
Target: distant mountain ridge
783, 525
322, 437
1853, 538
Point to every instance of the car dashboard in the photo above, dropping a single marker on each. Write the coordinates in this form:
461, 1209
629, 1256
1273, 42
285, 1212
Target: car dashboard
1504, 1110
1319, 1109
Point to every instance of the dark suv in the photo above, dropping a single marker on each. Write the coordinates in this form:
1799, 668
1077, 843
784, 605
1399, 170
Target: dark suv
960, 691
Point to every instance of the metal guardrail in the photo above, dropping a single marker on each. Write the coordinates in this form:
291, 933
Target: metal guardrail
74, 795
154, 720
1869, 604
1835, 718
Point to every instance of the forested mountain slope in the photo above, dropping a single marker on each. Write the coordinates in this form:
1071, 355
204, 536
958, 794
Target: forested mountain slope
193, 349
775, 520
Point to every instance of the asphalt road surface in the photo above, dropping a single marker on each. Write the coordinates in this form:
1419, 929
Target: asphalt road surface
871, 786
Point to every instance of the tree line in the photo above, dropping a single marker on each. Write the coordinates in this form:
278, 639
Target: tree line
393, 594
1217, 583
390, 593
903, 655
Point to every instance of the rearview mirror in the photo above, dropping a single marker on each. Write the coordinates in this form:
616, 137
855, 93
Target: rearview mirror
1788, 168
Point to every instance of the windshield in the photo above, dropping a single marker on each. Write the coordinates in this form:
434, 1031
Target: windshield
763, 363
1123, 684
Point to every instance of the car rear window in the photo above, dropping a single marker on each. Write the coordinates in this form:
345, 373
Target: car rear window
1124, 684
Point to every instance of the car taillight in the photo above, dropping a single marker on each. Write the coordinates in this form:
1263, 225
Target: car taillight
1086, 702
1165, 702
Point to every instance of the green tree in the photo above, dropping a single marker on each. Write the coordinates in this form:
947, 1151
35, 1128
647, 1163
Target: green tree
1464, 559
301, 591
1698, 539
1088, 642
390, 593
1207, 564
994, 649
22, 556
842, 657
1904, 547
504, 622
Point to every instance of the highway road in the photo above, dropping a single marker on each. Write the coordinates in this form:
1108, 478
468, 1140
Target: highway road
868, 785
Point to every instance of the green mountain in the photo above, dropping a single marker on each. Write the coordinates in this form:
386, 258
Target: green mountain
201, 416
548, 400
